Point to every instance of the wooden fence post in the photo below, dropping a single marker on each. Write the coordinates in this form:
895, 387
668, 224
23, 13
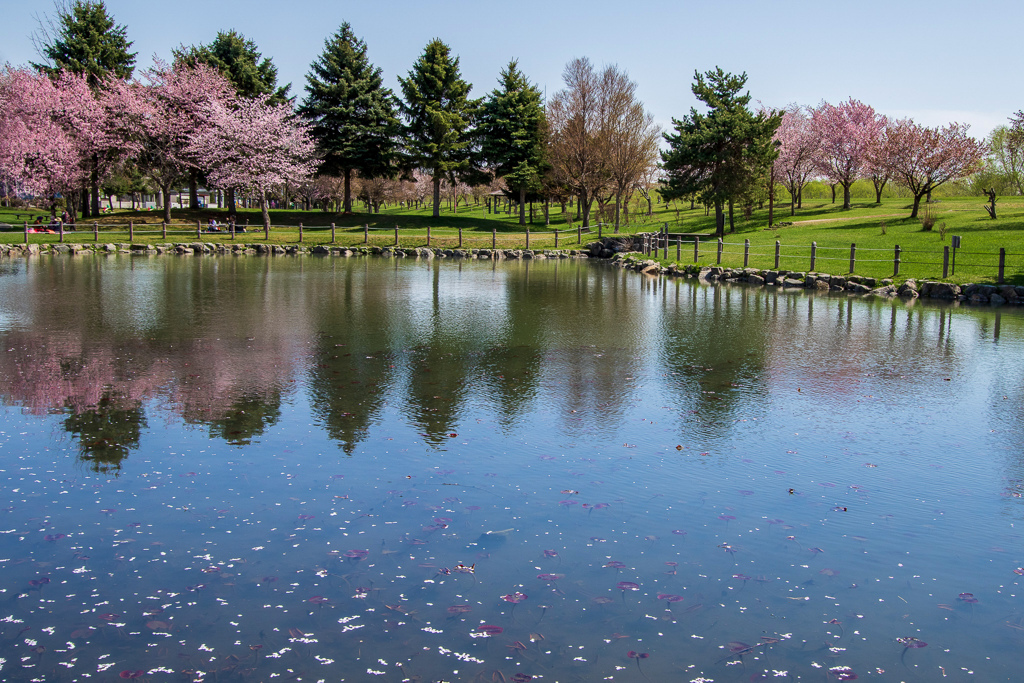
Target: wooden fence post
61, 229
814, 254
945, 262
679, 248
579, 234
163, 227
853, 257
131, 231
26, 232
366, 233
460, 235
720, 244
95, 232
599, 224
556, 239
527, 237
1002, 264
396, 235
266, 230
300, 232
428, 235
665, 245
778, 254
199, 230
696, 249
896, 261
332, 233
494, 238
231, 223
746, 253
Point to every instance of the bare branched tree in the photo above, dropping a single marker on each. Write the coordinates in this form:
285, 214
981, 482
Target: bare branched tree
630, 136
576, 143
601, 141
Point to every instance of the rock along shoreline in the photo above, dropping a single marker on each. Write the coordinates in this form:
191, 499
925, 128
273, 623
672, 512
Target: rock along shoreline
617, 250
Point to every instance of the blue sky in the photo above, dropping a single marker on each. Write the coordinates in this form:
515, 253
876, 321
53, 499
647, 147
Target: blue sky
935, 61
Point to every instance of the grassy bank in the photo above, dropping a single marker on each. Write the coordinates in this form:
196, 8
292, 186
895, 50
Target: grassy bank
875, 229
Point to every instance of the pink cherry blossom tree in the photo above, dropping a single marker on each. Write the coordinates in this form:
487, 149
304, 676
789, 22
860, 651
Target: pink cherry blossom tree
255, 145
39, 146
876, 168
57, 135
921, 158
798, 150
179, 98
846, 133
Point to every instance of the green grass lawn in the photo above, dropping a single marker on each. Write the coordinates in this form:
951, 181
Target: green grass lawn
876, 229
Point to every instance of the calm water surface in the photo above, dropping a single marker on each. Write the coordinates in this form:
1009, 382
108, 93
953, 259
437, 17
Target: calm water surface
254, 469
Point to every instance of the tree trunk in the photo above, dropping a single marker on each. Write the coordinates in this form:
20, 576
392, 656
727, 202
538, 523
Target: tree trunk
833, 193
95, 179
928, 200
800, 197
585, 204
232, 206
348, 191
846, 195
265, 209
83, 199
917, 204
193, 189
166, 189
616, 214
522, 205
879, 186
732, 225
719, 219
437, 196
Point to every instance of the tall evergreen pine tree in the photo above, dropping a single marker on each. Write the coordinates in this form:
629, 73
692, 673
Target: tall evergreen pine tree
718, 155
84, 39
439, 117
511, 131
353, 116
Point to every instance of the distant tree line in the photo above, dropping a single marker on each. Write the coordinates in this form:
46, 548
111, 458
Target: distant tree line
80, 121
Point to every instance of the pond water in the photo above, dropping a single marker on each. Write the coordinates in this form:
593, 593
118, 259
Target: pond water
249, 469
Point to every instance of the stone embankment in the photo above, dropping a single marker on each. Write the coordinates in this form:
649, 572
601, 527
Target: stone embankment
620, 250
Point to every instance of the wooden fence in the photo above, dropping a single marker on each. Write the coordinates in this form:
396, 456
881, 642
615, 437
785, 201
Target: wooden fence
795, 257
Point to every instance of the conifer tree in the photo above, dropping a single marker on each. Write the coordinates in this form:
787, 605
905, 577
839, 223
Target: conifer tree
238, 60
439, 117
719, 154
353, 118
511, 131
84, 39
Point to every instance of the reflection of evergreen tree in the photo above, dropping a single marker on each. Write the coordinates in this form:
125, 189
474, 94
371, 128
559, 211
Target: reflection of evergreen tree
351, 367
437, 388
347, 391
107, 432
247, 418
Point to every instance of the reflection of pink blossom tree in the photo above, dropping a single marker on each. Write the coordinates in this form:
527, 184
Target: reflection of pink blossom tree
180, 98
846, 133
798, 148
256, 146
921, 158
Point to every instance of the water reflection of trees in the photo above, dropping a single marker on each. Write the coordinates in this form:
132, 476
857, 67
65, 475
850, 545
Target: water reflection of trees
97, 340
107, 431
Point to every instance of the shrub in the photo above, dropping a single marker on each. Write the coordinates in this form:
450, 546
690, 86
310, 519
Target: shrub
927, 219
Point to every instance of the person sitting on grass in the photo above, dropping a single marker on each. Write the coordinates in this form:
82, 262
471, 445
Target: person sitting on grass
213, 226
